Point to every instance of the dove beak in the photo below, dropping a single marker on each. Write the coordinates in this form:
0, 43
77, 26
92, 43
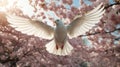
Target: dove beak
54, 23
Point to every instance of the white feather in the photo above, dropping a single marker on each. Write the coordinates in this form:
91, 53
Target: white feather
31, 27
51, 48
84, 23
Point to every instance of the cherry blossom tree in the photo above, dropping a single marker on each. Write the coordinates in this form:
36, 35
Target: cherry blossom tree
99, 47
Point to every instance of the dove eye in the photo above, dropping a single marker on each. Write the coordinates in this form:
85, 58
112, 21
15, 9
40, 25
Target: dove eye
57, 20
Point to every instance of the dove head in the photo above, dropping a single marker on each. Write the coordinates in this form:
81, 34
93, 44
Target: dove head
57, 22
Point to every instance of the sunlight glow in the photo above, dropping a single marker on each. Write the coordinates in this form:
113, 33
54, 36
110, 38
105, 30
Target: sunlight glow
4, 4
25, 7
21, 4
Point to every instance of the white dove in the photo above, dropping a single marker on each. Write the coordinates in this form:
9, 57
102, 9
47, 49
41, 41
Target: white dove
59, 45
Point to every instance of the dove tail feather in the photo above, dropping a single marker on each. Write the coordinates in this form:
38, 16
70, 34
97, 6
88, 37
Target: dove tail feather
51, 48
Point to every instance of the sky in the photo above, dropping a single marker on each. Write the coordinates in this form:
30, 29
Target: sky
24, 5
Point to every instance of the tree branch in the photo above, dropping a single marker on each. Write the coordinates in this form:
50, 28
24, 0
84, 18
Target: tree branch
100, 32
117, 3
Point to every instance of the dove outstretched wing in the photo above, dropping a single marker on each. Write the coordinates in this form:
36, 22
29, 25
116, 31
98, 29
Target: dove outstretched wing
31, 27
81, 24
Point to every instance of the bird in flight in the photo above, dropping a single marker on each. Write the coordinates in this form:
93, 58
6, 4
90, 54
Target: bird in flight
59, 44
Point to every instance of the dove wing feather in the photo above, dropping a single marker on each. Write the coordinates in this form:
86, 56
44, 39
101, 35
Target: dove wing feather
31, 27
81, 24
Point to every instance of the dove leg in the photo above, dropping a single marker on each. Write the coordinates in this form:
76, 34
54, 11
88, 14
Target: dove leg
59, 45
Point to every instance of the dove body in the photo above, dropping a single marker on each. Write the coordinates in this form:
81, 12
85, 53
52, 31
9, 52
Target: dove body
60, 34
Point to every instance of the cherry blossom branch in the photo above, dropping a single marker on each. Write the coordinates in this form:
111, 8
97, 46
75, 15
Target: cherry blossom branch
117, 3
100, 32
